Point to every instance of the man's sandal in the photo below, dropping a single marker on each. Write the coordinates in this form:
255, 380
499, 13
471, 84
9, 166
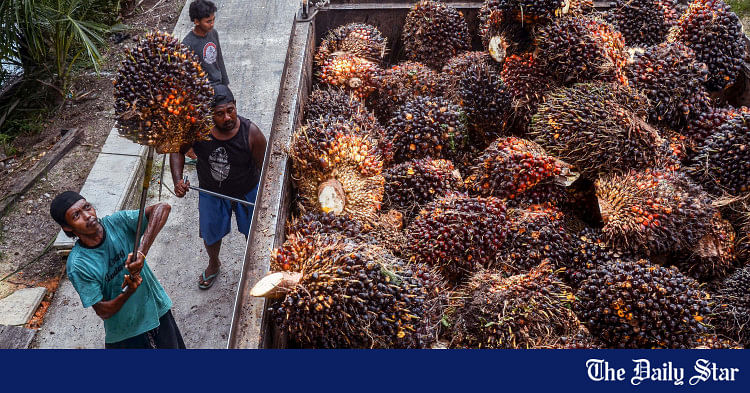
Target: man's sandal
210, 280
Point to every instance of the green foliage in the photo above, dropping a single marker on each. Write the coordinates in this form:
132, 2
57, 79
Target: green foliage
740, 7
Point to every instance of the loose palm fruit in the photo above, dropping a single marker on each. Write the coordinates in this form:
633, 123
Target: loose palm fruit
672, 79
598, 128
653, 211
412, 184
458, 234
342, 294
531, 310
427, 127
641, 305
714, 32
434, 32
162, 95
511, 166
580, 49
643, 23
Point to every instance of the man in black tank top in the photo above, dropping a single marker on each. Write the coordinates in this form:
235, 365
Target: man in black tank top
229, 163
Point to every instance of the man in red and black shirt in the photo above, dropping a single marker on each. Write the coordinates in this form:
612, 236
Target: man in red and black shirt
229, 163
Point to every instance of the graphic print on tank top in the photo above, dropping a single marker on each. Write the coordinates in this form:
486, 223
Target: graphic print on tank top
209, 53
219, 160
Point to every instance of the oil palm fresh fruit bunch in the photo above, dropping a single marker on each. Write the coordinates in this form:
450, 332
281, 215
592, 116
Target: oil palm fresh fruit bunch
337, 102
358, 39
535, 235
581, 49
642, 305
481, 94
458, 65
511, 166
427, 127
162, 95
732, 306
672, 79
434, 32
643, 23
527, 81
458, 234
319, 223
530, 310
414, 183
598, 127
404, 82
721, 164
653, 211
714, 33
350, 72
337, 293
337, 167
714, 256
708, 122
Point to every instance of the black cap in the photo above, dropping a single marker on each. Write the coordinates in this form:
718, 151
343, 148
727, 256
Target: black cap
61, 204
222, 95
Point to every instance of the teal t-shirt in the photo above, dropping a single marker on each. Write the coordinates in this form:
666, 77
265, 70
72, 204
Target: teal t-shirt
97, 275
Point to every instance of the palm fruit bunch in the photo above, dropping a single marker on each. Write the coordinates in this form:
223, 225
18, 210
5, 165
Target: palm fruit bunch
358, 39
457, 234
653, 211
589, 251
162, 95
598, 128
670, 77
356, 74
502, 36
643, 23
580, 49
535, 235
427, 127
714, 32
316, 223
434, 32
337, 168
714, 255
530, 310
510, 166
402, 83
731, 309
642, 305
414, 183
481, 93
338, 102
341, 294
581, 340
708, 122
455, 69
722, 162
527, 81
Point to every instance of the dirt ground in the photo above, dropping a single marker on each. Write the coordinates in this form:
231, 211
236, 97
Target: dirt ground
26, 230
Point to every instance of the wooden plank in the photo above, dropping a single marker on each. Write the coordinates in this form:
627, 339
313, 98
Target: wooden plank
54, 155
15, 337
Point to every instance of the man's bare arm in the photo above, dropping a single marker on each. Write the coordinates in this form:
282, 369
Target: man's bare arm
258, 145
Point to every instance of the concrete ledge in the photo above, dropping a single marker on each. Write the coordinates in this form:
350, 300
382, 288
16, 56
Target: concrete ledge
20, 306
112, 182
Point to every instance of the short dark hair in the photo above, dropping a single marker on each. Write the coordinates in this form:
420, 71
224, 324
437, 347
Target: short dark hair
200, 9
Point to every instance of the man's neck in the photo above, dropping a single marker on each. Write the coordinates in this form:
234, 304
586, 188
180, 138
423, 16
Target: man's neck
93, 240
199, 32
226, 135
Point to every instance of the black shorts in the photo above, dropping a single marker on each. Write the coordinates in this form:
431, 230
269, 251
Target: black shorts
164, 336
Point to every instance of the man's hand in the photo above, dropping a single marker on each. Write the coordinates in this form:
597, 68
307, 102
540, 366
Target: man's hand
135, 266
132, 281
181, 188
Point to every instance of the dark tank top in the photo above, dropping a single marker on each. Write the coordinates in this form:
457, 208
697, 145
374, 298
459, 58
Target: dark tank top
227, 167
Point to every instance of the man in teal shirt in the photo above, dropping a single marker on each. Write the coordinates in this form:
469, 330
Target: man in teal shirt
122, 290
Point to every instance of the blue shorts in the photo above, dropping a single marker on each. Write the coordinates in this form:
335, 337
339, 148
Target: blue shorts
215, 216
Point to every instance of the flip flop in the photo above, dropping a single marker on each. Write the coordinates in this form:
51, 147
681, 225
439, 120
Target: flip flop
210, 279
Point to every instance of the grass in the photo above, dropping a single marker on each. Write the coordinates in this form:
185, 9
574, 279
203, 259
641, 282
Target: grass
740, 7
